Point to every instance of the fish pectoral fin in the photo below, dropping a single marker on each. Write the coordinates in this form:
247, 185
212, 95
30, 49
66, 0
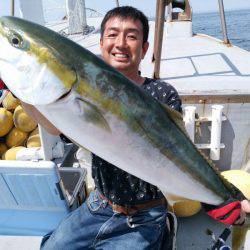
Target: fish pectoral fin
93, 115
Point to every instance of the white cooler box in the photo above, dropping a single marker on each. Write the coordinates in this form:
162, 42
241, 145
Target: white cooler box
35, 196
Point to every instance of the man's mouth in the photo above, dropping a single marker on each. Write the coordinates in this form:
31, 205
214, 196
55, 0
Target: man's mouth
120, 55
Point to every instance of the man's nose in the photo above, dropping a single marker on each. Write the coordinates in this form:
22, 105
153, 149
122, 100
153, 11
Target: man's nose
121, 41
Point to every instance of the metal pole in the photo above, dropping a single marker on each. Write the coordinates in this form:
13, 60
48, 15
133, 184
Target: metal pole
117, 3
189, 120
223, 22
159, 38
156, 29
76, 16
12, 7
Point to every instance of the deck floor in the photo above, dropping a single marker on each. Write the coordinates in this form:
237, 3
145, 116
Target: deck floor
191, 236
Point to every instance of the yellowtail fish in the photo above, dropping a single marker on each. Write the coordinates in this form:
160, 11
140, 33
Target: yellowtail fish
103, 111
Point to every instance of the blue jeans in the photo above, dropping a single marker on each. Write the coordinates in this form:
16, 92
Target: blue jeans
95, 225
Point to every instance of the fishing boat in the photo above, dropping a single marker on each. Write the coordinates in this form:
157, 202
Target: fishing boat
212, 77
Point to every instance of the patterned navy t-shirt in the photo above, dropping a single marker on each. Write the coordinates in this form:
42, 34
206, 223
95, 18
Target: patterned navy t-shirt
119, 186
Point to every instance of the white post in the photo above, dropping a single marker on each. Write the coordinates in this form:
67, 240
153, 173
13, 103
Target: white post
216, 132
76, 16
32, 11
189, 119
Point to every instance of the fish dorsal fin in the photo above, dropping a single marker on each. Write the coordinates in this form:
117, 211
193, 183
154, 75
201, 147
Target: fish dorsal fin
176, 117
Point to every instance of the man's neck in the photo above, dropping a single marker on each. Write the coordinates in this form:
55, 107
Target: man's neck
135, 77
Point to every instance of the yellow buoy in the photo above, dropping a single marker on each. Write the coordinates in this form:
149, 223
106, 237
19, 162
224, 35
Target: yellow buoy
34, 141
35, 132
16, 138
22, 120
3, 148
10, 102
11, 153
6, 121
240, 179
183, 207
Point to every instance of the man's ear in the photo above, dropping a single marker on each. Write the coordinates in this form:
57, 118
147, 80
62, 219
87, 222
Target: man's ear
144, 49
101, 44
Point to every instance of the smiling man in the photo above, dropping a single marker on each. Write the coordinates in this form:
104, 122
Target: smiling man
124, 45
124, 212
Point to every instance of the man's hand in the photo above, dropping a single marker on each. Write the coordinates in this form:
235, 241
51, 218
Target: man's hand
245, 208
245, 205
230, 212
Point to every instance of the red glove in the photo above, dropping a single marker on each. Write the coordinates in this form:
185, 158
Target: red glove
227, 213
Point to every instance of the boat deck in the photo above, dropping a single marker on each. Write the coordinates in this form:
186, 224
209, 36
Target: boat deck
195, 239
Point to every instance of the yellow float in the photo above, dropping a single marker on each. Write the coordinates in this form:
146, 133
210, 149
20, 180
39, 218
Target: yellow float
3, 148
240, 179
34, 141
6, 121
11, 153
22, 120
35, 132
10, 102
183, 207
16, 138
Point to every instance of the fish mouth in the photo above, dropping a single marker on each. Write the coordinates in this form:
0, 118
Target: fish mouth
34, 71
30, 81
64, 96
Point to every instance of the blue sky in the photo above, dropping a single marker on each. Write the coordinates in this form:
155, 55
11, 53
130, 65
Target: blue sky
148, 6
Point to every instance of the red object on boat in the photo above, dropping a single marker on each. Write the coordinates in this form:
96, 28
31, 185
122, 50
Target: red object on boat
2, 85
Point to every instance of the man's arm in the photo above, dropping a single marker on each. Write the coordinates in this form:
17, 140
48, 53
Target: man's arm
40, 119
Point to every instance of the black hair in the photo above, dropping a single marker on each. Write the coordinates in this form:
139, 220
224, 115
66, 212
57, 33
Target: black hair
125, 12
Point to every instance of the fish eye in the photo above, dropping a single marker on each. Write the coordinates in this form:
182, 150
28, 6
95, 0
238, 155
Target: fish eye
15, 41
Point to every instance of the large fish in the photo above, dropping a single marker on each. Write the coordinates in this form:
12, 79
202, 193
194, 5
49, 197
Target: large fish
103, 111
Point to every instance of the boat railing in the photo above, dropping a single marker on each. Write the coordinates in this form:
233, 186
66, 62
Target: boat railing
223, 22
185, 15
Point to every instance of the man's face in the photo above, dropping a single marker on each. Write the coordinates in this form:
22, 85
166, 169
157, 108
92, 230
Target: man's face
122, 44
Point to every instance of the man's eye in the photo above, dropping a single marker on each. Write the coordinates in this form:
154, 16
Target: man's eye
132, 37
112, 35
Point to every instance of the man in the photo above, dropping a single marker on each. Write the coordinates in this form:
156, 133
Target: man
123, 212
